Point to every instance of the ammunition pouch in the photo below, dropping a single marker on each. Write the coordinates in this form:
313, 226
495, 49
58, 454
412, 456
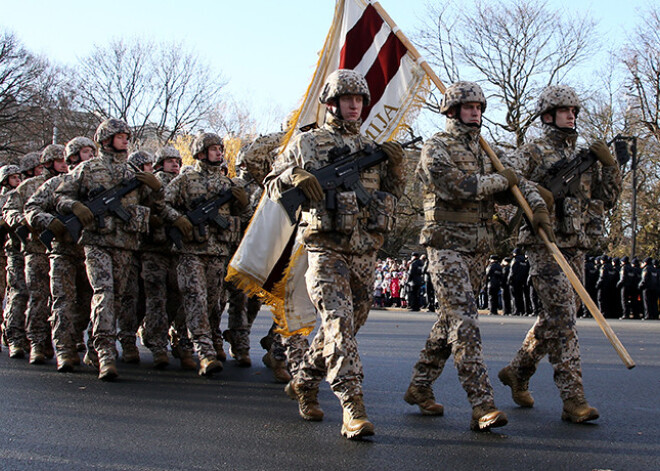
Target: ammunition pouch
382, 209
570, 216
139, 219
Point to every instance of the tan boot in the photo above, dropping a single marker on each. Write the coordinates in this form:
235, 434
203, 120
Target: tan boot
49, 351
37, 356
423, 397
577, 410
16, 351
239, 347
209, 365
220, 350
65, 362
355, 424
107, 370
487, 416
186, 360
280, 371
308, 403
130, 354
91, 358
161, 361
519, 391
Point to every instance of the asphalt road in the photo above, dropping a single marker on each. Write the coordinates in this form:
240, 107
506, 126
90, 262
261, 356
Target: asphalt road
174, 420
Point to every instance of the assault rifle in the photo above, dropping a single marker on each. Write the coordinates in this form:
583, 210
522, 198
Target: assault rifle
100, 203
343, 172
564, 175
204, 213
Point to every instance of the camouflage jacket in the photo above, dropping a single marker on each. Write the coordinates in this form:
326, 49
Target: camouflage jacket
578, 220
13, 210
107, 171
350, 228
205, 182
460, 185
12, 244
156, 240
40, 210
257, 158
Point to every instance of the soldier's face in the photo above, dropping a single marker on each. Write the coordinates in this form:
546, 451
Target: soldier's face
14, 180
148, 167
120, 141
215, 154
59, 165
38, 170
471, 113
86, 153
171, 166
565, 117
350, 107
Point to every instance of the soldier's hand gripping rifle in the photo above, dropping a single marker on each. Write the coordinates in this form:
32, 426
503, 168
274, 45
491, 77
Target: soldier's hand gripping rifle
343, 173
564, 176
203, 214
100, 203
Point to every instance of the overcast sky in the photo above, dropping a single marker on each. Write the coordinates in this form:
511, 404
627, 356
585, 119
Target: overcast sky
266, 49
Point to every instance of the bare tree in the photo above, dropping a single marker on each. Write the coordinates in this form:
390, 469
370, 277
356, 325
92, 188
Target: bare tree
160, 90
515, 49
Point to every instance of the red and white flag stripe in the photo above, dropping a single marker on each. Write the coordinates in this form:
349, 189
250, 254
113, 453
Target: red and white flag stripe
361, 39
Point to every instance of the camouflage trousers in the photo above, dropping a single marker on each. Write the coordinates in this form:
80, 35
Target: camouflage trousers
554, 333
242, 310
456, 277
37, 314
130, 316
294, 347
341, 288
111, 274
71, 296
163, 299
17, 298
200, 279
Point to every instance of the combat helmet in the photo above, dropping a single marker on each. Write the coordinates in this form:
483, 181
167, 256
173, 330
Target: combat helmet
344, 82
140, 158
109, 128
30, 161
167, 152
462, 92
75, 145
7, 171
556, 96
51, 152
203, 141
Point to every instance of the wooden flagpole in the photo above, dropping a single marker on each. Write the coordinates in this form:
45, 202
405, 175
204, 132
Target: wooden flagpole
552, 247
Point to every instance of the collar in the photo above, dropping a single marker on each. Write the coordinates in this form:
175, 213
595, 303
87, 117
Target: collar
457, 128
559, 138
341, 125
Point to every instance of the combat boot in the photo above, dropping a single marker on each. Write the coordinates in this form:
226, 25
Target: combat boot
16, 351
355, 424
107, 370
220, 350
130, 353
49, 351
307, 397
209, 365
577, 410
37, 356
519, 391
423, 397
65, 363
239, 347
161, 361
186, 360
280, 371
487, 416
91, 358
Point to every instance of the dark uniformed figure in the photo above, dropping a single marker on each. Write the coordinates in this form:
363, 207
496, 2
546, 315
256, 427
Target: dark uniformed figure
494, 278
607, 290
627, 285
506, 286
590, 280
648, 285
519, 272
415, 282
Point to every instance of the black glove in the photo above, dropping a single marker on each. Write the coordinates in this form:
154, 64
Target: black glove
307, 183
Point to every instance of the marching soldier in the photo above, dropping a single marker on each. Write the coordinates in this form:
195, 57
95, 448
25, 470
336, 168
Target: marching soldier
341, 246
13, 323
459, 202
202, 257
577, 223
36, 261
110, 241
71, 293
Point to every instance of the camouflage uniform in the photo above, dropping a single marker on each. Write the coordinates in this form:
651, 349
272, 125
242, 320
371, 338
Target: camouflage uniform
342, 251
70, 291
202, 262
36, 261
459, 202
109, 250
578, 225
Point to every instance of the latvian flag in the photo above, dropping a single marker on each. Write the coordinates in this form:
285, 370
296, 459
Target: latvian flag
363, 37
